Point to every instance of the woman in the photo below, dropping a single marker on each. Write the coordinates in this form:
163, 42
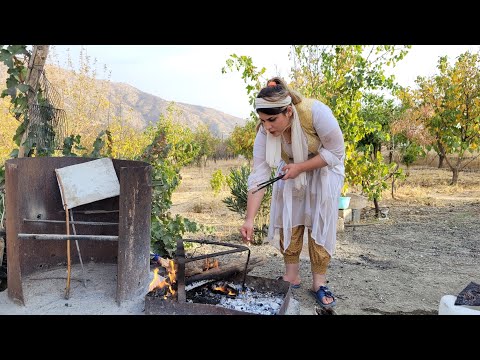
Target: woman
300, 138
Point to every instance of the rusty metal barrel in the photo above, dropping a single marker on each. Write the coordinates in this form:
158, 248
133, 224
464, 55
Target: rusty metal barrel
112, 230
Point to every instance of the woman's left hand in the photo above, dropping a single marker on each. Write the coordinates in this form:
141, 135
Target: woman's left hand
291, 171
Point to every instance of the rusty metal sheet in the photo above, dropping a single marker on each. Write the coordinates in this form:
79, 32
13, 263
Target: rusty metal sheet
133, 261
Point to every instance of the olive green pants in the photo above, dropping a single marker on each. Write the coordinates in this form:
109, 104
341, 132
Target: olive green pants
319, 257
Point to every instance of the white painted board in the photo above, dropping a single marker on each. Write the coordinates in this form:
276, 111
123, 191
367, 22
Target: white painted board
87, 182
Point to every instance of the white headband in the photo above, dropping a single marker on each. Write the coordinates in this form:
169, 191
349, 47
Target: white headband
261, 103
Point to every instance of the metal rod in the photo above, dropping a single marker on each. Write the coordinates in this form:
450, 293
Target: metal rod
238, 249
24, 236
180, 254
200, 257
243, 247
267, 183
94, 211
78, 248
245, 271
71, 222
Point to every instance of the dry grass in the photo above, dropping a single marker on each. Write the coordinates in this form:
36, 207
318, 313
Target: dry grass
195, 199
471, 160
426, 185
431, 186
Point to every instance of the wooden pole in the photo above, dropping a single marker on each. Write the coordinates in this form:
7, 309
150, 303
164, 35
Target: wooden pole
35, 70
67, 219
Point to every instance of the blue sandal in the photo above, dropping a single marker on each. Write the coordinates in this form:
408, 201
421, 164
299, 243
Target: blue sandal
322, 292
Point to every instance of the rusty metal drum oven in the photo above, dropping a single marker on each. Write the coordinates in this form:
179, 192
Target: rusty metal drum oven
113, 230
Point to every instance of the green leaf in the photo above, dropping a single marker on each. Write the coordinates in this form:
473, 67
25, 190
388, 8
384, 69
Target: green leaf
4, 55
23, 88
18, 49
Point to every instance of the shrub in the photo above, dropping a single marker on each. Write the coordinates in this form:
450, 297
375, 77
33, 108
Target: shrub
237, 202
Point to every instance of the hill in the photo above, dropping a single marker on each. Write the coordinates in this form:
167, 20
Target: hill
138, 107
149, 107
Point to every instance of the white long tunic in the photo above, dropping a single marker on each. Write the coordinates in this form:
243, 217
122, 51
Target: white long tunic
317, 206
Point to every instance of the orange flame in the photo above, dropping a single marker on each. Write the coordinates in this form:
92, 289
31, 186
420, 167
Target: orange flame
159, 282
226, 290
172, 273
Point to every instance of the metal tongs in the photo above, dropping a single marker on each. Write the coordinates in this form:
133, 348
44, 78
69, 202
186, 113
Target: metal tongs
266, 183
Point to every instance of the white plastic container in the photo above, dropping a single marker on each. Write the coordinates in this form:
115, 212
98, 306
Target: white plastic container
447, 307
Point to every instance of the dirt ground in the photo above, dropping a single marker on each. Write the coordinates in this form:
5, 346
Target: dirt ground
427, 247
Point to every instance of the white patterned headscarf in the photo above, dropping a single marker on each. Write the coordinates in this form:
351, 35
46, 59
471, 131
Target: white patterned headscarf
274, 144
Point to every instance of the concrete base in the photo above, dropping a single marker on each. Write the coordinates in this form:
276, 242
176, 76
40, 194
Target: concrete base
356, 215
345, 214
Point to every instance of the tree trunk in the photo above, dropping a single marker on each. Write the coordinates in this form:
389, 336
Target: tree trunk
441, 154
35, 70
377, 208
455, 176
393, 187
440, 160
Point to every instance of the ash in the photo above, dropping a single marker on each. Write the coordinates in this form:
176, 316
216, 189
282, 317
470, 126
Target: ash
247, 300
251, 301
196, 284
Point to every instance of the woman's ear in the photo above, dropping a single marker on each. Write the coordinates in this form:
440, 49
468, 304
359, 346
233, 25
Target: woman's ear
289, 110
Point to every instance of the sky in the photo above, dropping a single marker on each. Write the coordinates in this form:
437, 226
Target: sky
192, 73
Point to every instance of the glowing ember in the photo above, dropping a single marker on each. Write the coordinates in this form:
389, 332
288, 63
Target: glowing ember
210, 264
224, 289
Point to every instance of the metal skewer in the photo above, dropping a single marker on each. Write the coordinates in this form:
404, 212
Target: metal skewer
266, 183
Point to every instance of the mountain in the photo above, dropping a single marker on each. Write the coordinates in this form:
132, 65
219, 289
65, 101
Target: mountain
139, 107
149, 107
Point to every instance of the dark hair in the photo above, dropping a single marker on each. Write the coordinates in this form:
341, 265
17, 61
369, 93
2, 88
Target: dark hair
275, 93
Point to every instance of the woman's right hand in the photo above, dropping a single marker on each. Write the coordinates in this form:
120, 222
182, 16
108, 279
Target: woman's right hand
247, 231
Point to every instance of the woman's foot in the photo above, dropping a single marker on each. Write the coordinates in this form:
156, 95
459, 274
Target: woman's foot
324, 296
295, 282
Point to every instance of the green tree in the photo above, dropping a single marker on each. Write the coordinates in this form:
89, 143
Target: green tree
86, 100
170, 150
371, 171
453, 96
206, 143
242, 138
342, 76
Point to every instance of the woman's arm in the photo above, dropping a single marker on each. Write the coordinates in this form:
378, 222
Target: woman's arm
332, 148
253, 204
260, 173
293, 170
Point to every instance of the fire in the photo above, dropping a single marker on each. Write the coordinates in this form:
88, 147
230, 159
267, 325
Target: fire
224, 289
160, 282
209, 264
172, 273
157, 282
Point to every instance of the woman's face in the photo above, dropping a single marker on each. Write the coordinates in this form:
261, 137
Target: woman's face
276, 124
